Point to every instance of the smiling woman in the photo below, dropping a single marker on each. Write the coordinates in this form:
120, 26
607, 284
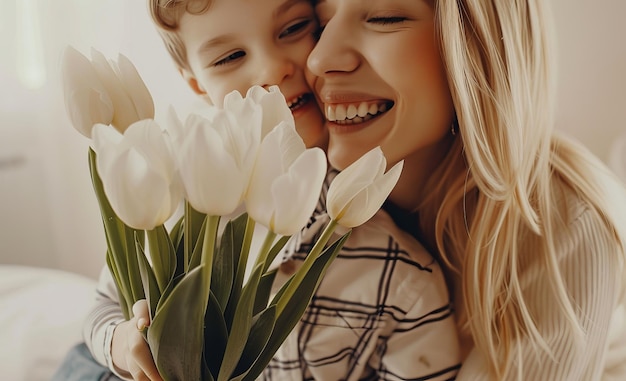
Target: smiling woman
511, 208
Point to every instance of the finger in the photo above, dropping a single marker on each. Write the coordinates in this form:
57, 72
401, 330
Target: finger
141, 314
136, 372
142, 358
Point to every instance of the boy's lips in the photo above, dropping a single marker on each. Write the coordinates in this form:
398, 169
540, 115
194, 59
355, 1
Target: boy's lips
356, 112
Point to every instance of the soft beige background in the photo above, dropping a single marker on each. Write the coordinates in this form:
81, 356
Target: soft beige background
49, 214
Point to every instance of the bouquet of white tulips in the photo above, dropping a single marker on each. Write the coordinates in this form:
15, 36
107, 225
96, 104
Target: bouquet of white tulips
208, 322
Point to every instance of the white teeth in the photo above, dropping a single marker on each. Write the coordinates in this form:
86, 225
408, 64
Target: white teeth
295, 101
354, 113
330, 114
362, 111
340, 112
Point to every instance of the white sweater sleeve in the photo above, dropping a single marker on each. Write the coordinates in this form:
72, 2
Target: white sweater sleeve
591, 268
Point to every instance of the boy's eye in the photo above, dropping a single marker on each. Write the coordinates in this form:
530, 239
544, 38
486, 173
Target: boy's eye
386, 20
230, 58
295, 28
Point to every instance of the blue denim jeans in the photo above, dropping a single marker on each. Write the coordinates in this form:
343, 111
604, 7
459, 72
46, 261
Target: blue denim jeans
79, 365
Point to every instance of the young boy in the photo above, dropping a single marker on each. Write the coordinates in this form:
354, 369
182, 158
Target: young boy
383, 295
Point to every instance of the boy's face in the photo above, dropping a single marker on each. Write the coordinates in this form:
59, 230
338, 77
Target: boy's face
240, 43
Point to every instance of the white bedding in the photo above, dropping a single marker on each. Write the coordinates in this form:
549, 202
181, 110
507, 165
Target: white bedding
41, 317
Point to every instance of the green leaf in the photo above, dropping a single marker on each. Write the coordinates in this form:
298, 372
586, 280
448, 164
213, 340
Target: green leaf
262, 327
196, 254
295, 306
264, 291
148, 279
121, 292
242, 227
242, 321
224, 263
193, 226
163, 255
215, 336
278, 246
120, 242
175, 335
177, 232
207, 376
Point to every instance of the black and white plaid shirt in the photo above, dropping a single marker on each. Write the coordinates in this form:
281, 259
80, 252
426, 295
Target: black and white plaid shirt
381, 312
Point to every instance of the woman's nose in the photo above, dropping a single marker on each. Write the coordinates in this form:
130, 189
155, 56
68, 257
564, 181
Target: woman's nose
274, 68
335, 52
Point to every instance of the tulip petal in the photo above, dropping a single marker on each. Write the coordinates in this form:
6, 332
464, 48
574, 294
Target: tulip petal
353, 180
125, 113
86, 99
142, 187
211, 171
278, 150
300, 186
140, 210
359, 191
135, 86
374, 197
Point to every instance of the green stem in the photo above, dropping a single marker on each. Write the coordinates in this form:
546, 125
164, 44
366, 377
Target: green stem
298, 277
188, 244
208, 248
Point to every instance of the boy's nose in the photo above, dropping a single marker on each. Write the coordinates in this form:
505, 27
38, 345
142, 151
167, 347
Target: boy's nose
274, 69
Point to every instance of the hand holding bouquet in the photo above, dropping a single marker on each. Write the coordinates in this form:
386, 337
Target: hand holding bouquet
208, 322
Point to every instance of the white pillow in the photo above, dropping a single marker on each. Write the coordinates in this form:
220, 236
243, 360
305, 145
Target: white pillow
41, 318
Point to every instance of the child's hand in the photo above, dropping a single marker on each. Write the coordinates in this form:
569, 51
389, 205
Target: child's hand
129, 349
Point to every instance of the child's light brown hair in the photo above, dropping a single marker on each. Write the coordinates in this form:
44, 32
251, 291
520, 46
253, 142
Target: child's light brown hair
166, 15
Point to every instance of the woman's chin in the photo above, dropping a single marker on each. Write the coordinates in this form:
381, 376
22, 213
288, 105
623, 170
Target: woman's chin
340, 156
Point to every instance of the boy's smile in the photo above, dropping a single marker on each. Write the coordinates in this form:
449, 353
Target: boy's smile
236, 44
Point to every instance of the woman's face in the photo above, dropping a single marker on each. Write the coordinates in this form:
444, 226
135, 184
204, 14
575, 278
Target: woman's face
380, 78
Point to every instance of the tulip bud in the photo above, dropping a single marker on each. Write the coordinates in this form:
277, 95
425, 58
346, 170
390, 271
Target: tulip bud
99, 91
216, 157
358, 192
138, 173
272, 101
286, 182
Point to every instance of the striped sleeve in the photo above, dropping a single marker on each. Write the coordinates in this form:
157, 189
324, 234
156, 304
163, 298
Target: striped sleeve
105, 315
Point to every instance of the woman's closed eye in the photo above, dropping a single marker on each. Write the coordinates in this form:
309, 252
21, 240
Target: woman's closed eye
387, 20
230, 58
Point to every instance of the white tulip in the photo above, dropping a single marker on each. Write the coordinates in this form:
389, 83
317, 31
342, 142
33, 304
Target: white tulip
359, 191
216, 156
101, 91
286, 182
138, 172
272, 101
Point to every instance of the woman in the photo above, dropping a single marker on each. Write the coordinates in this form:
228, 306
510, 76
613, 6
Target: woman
531, 227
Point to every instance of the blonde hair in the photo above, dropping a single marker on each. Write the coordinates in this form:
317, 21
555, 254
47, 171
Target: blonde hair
166, 15
496, 185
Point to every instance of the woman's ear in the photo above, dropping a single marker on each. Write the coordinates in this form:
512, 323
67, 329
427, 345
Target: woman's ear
195, 86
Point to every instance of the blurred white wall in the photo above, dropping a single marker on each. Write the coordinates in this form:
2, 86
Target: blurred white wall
49, 216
